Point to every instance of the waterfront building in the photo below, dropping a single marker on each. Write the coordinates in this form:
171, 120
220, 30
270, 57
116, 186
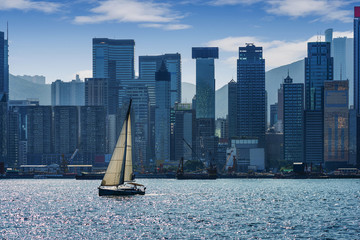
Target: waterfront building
18, 124
13, 139
357, 59
113, 59
66, 129
314, 136
293, 94
273, 114
232, 108
92, 132
39, 133
274, 150
336, 124
318, 69
205, 141
352, 136
3, 129
162, 114
251, 93
357, 78
183, 129
68, 93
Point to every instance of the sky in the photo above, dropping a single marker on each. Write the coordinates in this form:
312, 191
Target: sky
54, 38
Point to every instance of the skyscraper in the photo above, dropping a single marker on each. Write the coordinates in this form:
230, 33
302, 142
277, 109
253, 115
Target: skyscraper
184, 115
336, 124
4, 67
113, 59
293, 109
318, 69
4, 95
148, 65
162, 113
357, 59
232, 108
205, 101
273, 114
251, 93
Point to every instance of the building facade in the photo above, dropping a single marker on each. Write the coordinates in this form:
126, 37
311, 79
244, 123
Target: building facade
68, 93
318, 69
293, 94
251, 93
205, 141
162, 114
113, 59
336, 124
232, 109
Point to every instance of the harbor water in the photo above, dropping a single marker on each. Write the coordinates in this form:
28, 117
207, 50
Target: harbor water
188, 209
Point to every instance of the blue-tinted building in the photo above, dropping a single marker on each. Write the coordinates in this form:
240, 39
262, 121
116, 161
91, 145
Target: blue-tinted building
318, 69
114, 59
162, 114
357, 59
273, 114
205, 81
293, 94
4, 67
148, 65
205, 141
232, 108
251, 93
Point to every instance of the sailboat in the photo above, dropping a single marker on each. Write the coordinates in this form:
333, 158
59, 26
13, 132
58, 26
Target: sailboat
119, 177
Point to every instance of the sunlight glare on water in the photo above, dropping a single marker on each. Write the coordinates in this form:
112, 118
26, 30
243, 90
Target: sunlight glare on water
189, 209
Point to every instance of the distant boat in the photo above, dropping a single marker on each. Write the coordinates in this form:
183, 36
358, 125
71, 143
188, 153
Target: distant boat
90, 176
119, 178
211, 173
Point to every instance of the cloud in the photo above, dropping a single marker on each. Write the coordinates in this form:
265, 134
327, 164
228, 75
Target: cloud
232, 2
27, 5
130, 11
324, 10
166, 26
276, 52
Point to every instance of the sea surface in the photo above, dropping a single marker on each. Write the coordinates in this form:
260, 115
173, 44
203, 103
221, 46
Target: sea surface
182, 209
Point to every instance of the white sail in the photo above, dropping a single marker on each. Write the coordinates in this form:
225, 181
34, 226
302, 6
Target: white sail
128, 163
113, 172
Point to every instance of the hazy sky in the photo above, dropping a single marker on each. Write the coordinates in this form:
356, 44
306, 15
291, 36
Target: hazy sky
54, 38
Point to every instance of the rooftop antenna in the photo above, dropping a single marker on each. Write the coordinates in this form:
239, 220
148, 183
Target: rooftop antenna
7, 31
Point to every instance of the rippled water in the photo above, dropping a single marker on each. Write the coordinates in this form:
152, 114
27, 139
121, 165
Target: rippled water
190, 209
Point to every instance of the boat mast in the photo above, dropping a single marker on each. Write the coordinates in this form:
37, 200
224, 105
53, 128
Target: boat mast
122, 174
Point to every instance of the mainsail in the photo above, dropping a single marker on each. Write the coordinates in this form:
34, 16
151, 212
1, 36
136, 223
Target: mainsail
128, 174
119, 171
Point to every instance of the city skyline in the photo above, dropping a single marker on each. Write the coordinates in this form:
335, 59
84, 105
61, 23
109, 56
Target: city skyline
36, 27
